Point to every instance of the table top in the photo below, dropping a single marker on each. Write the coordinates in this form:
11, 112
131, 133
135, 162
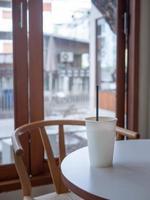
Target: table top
128, 178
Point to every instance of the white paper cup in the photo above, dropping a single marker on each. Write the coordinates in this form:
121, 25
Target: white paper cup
101, 138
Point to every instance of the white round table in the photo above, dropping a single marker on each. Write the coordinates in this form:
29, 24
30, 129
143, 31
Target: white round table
128, 179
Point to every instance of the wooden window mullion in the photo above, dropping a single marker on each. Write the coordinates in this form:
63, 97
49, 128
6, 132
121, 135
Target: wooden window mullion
36, 80
20, 58
20, 78
133, 67
120, 91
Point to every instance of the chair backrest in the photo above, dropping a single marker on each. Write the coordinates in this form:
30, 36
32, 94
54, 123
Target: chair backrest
53, 167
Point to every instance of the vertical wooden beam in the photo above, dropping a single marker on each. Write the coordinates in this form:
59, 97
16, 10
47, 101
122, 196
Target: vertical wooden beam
36, 80
20, 63
120, 91
133, 68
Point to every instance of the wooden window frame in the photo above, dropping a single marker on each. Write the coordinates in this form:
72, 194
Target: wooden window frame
120, 90
36, 80
133, 66
28, 71
20, 83
127, 98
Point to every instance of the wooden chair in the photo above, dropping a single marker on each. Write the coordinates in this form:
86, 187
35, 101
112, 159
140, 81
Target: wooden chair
62, 192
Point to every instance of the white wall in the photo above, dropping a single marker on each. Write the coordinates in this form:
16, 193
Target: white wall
144, 73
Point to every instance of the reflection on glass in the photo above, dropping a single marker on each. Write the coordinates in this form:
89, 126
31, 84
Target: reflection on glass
106, 57
6, 83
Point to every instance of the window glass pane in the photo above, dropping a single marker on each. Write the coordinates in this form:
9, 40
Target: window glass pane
6, 82
66, 64
66, 58
78, 40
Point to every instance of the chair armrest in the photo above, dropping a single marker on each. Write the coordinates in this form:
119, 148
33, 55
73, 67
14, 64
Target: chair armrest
17, 145
128, 133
